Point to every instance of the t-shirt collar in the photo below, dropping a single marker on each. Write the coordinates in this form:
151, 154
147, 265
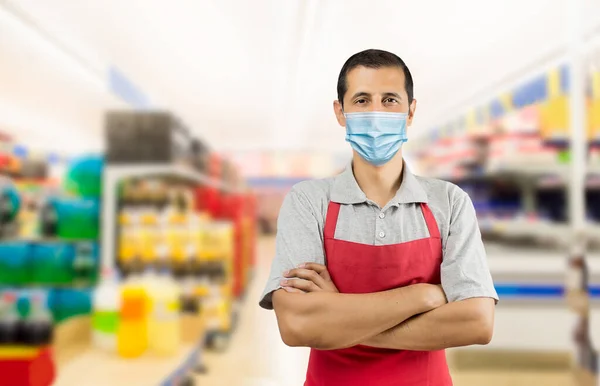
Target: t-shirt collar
346, 190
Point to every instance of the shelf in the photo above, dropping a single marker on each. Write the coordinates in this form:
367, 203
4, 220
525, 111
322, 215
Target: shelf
113, 174
119, 172
44, 240
525, 170
541, 230
527, 229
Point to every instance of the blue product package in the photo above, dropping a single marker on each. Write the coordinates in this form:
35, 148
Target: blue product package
52, 263
15, 263
67, 303
84, 176
77, 218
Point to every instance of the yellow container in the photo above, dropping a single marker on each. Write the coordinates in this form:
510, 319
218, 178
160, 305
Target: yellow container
217, 241
555, 118
149, 218
177, 242
164, 332
132, 334
128, 245
149, 241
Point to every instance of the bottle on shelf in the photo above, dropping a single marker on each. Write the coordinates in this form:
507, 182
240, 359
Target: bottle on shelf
105, 317
10, 319
48, 220
37, 328
132, 335
84, 264
10, 202
163, 323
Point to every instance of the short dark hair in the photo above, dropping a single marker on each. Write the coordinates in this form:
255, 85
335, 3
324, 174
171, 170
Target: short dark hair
373, 59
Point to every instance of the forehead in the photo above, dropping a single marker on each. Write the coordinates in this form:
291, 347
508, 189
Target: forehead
375, 80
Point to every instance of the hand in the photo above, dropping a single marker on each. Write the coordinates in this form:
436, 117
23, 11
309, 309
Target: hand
308, 277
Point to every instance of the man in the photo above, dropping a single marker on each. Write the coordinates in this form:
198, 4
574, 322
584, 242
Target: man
376, 269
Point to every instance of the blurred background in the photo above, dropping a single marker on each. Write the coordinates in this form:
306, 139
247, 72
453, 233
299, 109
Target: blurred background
146, 147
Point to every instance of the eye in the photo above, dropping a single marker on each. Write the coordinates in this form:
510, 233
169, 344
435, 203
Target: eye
360, 101
390, 100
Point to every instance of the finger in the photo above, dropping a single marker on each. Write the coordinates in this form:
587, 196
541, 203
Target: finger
307, 274
301, 284
318, 268
293, 290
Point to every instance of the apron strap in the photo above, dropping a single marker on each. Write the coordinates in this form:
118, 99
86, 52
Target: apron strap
432, 225
333, 211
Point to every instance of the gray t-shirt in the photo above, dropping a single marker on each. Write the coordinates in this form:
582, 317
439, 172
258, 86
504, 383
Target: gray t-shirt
464, 270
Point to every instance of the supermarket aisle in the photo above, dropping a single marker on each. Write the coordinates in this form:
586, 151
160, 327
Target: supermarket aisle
257, 357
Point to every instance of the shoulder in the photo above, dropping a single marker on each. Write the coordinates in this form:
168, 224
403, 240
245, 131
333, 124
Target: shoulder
442, 191
312, 194
314, 190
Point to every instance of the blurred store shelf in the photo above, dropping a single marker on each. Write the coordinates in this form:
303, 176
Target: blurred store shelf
539, 230
114, 173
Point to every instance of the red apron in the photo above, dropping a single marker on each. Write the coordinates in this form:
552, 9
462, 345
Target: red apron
362, 268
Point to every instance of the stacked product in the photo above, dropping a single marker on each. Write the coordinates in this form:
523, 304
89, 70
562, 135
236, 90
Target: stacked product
48, 263
180, 209
517, 147
161, 230
25, 339
139, 315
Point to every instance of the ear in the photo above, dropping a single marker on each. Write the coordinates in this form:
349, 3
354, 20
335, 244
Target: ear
339, 113
411, 112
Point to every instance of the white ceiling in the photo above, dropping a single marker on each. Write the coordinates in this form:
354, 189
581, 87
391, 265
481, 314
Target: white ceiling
262, 74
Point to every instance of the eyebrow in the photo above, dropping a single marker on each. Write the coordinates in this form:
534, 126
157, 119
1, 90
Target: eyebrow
392, 94
366, 94
361, 94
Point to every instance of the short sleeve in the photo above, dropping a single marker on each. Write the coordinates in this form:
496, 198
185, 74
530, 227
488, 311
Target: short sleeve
464, 271
299, 240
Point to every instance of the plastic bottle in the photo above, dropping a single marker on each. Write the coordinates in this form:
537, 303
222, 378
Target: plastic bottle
132, 335
84, 264
10, 202
164, 326
105, 319
37, 328
9, 318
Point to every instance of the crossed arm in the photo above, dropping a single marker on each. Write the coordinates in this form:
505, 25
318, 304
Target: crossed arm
311, 312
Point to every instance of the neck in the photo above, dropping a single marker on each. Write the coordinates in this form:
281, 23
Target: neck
379, 183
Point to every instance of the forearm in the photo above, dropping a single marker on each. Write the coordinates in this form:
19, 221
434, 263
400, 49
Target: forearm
455, 324
328, 321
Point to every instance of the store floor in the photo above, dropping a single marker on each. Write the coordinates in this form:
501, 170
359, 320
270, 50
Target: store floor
257, 356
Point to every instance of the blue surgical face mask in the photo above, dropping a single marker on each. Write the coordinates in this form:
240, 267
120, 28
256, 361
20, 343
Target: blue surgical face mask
376, 135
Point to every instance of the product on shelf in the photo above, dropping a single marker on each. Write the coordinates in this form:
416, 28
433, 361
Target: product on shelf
77, 218
37, 328
164, 336
105, 317
9, 319
85, 264
9, 203
594, 109
84, 177
15, 263
146, 137
48, 220
132, 334
52, 263
71, 302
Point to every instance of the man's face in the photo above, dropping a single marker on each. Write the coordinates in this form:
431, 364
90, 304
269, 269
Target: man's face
375, 89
